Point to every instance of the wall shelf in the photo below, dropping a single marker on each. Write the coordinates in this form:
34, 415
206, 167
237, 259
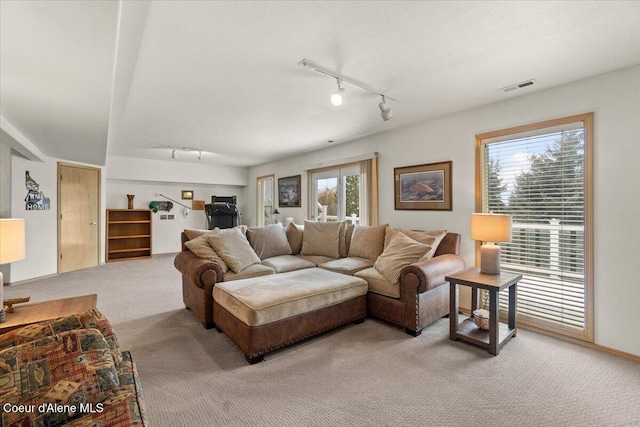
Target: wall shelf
128, 234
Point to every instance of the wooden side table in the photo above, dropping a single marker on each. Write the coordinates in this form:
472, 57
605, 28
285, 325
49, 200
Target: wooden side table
26, 314
467, 330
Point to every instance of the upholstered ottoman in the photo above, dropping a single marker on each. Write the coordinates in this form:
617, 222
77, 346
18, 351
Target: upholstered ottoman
262, 314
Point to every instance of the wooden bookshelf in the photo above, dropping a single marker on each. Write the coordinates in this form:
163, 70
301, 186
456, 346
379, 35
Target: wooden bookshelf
128, 234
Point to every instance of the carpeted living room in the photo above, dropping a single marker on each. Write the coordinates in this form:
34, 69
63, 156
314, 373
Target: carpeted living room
319, 213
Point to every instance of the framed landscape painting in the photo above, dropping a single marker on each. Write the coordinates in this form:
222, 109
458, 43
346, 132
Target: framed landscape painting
289, 192
423, 187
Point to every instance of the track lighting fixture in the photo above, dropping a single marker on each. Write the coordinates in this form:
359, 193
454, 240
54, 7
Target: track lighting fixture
385, 111
174, 155
337, 96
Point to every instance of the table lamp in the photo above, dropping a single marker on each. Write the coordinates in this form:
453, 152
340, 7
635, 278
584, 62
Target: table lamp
11, 246
490, 228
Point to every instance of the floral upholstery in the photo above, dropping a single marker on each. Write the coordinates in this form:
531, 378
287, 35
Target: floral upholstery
67, 362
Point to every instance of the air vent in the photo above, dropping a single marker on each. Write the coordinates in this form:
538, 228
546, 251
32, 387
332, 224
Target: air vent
519, 85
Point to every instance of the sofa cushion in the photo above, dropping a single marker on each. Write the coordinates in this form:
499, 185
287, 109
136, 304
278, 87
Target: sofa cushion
72, 367
234, 248
321, 238
367, 241
269, 241
284, 263
264, 300
316, 259
349, 265
344, 238
193, 233
202, 248
294, 236
432, 238
401, 252
254, 270
378, 283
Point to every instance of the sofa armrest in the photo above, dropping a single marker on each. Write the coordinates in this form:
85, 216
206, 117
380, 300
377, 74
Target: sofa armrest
430, 273
200, 271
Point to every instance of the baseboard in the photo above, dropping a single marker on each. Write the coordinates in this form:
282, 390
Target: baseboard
31, 279
609, 350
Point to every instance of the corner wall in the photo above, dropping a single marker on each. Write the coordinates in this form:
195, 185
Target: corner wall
613, 97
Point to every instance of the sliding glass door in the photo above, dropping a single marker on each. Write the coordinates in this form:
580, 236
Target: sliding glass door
336, 194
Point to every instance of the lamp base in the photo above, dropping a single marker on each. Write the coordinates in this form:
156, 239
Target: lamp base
490, 259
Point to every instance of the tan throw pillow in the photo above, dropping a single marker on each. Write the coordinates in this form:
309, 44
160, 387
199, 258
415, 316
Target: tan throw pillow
367, 241
321, 238
294, 236
400, 252
192, 234
201, 247
269, 241
432, 238
234, 248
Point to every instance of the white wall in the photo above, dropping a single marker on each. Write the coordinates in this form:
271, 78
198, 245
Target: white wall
166, 233
41, 227
615, 100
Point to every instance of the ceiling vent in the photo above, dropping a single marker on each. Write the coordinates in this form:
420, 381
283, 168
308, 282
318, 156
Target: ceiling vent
520, 85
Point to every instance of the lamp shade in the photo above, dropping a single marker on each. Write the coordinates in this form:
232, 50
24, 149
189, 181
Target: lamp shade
491, 227
11, 240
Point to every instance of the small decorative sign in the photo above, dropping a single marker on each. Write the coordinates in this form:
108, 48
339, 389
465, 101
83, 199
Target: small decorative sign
197, 205
35, 200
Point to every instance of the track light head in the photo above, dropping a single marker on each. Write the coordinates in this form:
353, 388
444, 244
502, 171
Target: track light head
385, 111
336, 98
173, 154
199, 154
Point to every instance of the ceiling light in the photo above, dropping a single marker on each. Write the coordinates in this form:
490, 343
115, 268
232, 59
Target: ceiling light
385, 111
336, 98
173, 154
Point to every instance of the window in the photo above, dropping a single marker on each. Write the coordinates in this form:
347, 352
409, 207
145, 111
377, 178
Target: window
541, 175
345, 192
266, 198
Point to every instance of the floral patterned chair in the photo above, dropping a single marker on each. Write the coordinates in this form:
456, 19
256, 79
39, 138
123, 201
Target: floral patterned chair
68, 371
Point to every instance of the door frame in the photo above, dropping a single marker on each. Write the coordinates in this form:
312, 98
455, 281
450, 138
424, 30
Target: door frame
59, 209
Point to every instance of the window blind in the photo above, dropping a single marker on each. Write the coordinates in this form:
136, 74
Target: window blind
539, 178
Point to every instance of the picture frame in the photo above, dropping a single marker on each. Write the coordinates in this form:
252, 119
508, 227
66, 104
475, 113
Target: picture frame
423, 187
289, 192
187, 194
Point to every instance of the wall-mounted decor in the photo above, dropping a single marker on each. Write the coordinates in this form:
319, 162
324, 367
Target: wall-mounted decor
35, 200
187, 194
197, 205
423, 187
289, 192
160, 206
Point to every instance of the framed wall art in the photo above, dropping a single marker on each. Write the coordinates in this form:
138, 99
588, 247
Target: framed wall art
187, 194
423, 187
289, 192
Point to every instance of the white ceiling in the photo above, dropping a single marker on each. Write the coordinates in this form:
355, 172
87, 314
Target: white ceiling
83, 79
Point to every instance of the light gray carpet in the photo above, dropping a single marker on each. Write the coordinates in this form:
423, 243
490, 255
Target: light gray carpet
371, 374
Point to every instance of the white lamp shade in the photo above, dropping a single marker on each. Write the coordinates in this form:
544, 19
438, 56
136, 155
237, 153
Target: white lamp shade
11, 240
491, 227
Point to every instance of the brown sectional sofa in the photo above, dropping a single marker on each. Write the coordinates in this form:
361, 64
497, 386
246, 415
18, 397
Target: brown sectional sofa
419, 297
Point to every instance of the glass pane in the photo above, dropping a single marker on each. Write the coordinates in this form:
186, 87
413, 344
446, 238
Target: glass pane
327, 201
352, 198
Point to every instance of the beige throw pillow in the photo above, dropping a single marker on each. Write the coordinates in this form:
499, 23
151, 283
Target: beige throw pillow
269, 241
367, 241
234, 248
321, 238
426, 238
294, 236
201, 247
400, 252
